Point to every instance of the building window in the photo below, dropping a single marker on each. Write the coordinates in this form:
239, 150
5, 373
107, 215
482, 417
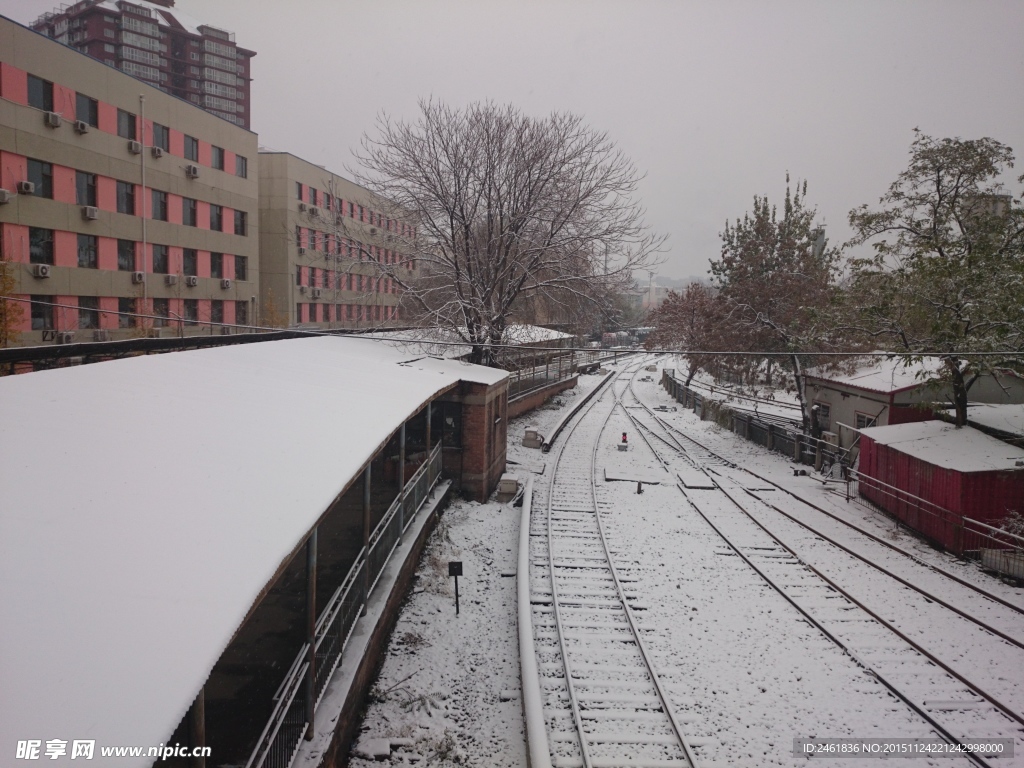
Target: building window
312, 313
217, 158
41, 174
216, 311
126, 255
241, 313
162, 310
85, 188
327, 313
190, 262
241, 167
87, 252
216, 265
162, 137
824, 418
191, 311
864, 421
126, 197
312, 196
327, 200
192, 148
241, 223
40, 93
298, 275
298, 189
298, 313
40, 245
159, 205
189, 212
241, 267
126, 312
216, 218
126, 125
88, 312
87, 110
160, 260
42, 313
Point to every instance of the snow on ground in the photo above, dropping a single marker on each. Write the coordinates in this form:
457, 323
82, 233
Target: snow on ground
448, 692
746, 674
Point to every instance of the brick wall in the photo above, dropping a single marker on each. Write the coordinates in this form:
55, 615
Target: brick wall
528, 402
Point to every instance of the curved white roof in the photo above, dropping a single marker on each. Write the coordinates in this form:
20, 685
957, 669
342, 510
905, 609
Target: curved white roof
147, 501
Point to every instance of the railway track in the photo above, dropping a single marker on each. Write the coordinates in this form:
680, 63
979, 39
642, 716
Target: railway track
604, 704
954, 706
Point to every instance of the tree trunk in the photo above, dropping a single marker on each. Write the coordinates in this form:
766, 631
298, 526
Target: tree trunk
801, 395
959, 393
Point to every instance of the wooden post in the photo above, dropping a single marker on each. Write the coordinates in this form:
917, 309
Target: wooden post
197, 726
366, 538
311, 632
771, 437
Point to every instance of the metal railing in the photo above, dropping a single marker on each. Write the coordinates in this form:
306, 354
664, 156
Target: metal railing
279, 742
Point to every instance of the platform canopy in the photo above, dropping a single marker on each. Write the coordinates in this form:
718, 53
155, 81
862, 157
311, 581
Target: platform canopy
940, 443
146, 502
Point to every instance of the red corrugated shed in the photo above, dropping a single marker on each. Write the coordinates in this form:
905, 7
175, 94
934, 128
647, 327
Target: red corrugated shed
930, 475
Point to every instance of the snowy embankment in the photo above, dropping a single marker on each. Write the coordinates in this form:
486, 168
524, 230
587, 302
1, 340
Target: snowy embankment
448, 692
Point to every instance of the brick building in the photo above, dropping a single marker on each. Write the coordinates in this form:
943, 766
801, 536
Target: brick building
162, 46
118, 199
326, 248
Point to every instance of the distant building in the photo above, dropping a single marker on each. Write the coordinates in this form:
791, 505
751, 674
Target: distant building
888, 392
162, 46
321, 241
114, 205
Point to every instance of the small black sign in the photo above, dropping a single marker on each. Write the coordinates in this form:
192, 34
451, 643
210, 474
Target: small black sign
455, 568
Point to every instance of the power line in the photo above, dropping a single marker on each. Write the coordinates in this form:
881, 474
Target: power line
537, 346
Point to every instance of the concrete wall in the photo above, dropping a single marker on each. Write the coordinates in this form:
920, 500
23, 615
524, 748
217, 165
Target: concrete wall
532, 400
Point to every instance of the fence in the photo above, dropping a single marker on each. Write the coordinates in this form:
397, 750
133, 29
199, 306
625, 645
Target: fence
279, 742
557, 366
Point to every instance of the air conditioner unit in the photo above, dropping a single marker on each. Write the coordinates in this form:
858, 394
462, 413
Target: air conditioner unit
171, 279
373, 230
135, 147
191, 281
830, 437
192, 171
158, 333
90, 212
302, 289
225, 330
101, 335
157, 151
302, 207
316, 293
41, 270
64, 337
81, 126
52, 119
302, 251
26, 188
138, 277
5, 197
225, 283
314, 211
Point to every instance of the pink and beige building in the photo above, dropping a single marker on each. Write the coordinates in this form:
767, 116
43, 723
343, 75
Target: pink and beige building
124, 211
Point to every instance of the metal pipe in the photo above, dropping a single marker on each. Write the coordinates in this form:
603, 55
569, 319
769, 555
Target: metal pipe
311, 547
366, 537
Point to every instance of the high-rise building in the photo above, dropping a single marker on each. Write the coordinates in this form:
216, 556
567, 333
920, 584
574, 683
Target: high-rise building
156, 43
123, 211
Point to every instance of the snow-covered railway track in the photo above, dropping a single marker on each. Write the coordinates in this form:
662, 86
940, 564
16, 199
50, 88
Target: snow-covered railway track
951, 703
603, 702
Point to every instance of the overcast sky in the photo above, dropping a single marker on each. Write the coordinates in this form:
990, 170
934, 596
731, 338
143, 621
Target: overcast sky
714, 101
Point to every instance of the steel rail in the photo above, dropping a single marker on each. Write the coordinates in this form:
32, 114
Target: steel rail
999, 706
878, 539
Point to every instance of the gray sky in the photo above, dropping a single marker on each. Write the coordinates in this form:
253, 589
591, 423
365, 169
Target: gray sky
715, 101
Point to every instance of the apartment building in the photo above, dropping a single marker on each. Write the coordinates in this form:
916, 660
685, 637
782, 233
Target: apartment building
166, 48
118, 200
329, 250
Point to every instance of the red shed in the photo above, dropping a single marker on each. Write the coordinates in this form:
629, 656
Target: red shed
930, 475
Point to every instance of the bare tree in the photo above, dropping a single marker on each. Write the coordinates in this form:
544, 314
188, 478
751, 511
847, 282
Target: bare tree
693, 323
504, 207
11, 312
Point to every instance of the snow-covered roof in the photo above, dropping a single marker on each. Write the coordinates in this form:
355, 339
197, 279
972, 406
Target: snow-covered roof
445, 342
882, 375
1002, 417
942, 444
147, 501
159, 12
